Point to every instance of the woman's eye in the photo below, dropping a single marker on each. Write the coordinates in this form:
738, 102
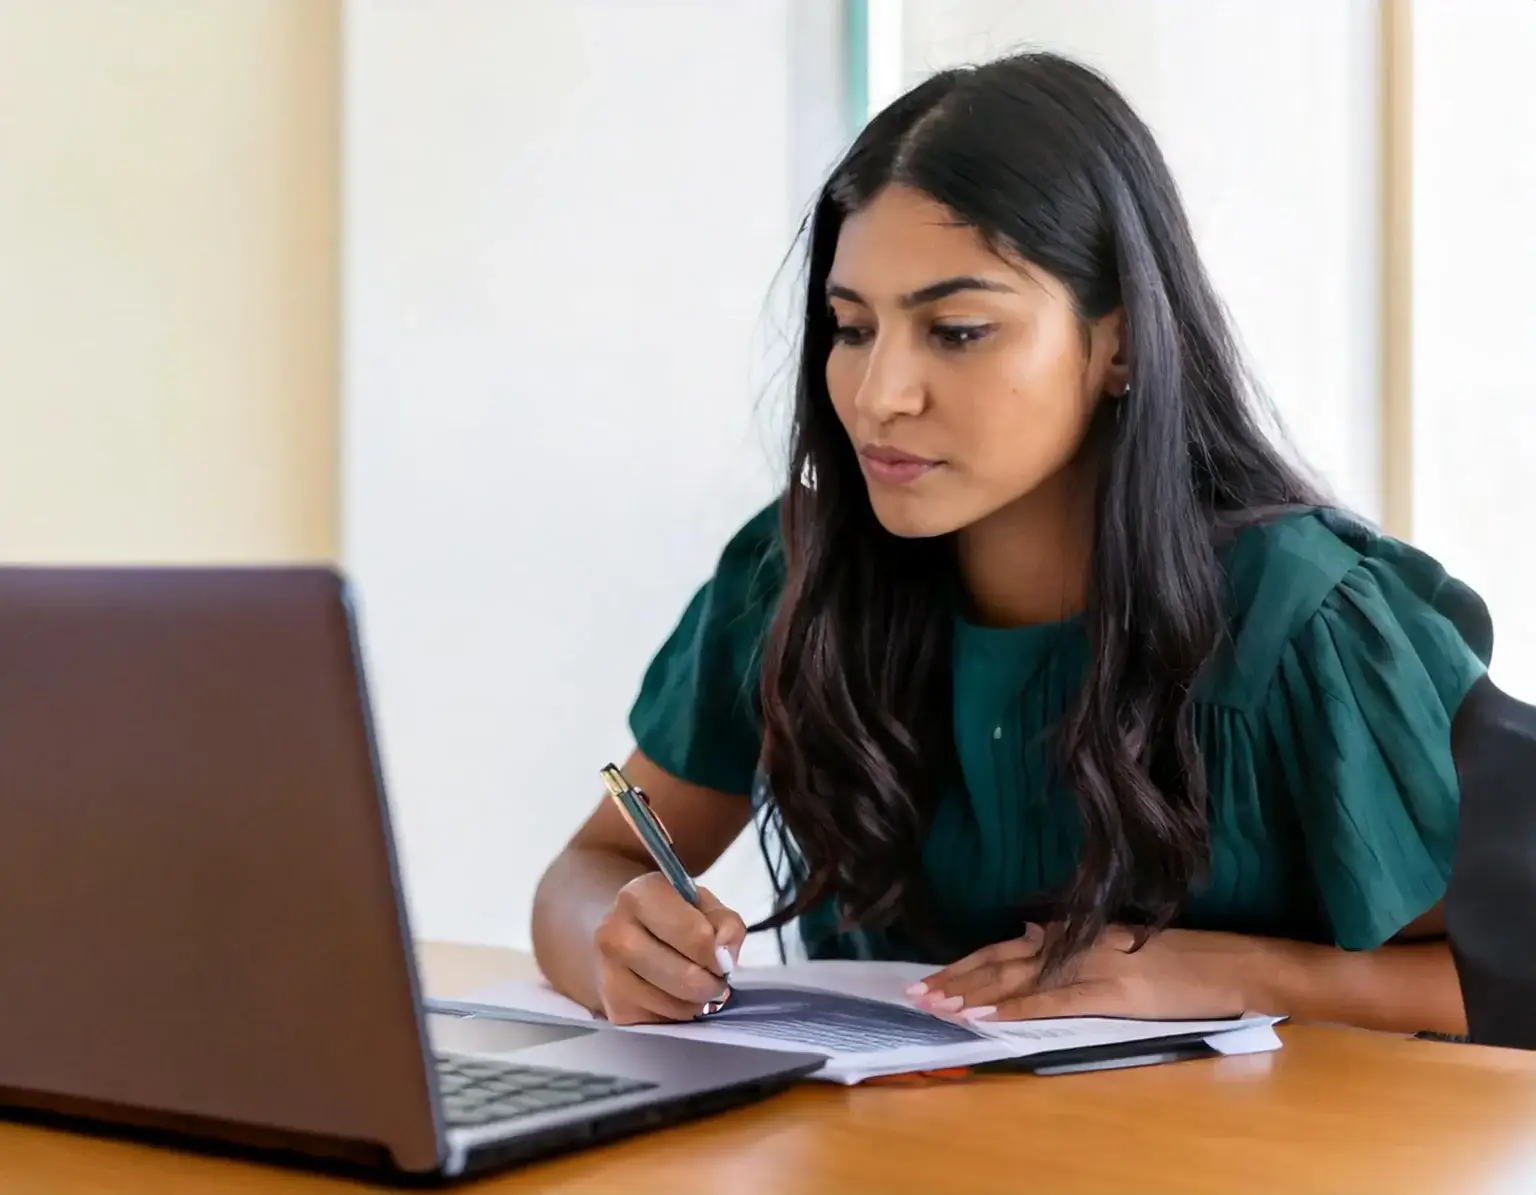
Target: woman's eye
959, 336
850, 335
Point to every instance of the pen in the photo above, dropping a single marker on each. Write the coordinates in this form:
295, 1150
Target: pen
642, 819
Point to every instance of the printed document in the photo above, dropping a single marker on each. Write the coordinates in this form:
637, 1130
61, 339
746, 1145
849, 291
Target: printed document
857, 1014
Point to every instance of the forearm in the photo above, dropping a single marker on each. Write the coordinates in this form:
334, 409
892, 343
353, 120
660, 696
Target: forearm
575, 893
1398, 988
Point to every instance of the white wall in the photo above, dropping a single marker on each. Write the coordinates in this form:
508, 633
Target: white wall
1267, 114
168, 292
1474, 360
562, 226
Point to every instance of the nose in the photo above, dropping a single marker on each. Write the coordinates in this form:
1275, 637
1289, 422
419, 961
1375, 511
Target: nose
892, 385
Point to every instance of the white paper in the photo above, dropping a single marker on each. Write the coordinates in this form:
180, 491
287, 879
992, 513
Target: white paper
1259, 1038
858, 1015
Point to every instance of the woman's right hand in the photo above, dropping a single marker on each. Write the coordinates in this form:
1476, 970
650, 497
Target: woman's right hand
660, 958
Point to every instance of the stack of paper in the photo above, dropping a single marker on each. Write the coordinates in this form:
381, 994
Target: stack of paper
857, 1014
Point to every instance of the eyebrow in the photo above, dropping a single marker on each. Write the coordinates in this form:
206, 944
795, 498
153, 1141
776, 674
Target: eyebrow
931, 293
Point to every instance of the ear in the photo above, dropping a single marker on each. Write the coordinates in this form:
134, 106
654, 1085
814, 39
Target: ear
1110, 356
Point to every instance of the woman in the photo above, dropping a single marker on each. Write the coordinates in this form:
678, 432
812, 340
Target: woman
1046, 666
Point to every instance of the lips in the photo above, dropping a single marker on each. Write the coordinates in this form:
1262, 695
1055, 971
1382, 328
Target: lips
891, 466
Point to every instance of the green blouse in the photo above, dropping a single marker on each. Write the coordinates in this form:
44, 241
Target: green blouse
1324, 726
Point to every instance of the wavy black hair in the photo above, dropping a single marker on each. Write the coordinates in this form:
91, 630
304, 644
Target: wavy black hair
1048, 162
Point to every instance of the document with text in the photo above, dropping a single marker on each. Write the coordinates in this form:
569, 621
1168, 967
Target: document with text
858, 1016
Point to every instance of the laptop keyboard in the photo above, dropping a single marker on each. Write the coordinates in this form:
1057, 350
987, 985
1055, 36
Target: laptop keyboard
478, 1091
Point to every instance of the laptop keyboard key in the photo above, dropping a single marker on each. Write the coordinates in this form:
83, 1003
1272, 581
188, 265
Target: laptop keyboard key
478, 1091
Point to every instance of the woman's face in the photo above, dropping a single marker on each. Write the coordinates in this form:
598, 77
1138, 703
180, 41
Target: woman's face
963, 380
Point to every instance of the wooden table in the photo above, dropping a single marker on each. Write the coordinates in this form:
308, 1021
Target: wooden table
1337, 1111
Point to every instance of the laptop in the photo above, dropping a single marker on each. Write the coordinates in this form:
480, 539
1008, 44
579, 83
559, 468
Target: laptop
205, 937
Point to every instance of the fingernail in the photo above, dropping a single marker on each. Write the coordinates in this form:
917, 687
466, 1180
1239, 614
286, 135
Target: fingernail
983, 1013
917, 989
951, 1004
724, 960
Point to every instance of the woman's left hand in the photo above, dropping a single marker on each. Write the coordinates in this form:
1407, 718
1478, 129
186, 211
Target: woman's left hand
1176, 975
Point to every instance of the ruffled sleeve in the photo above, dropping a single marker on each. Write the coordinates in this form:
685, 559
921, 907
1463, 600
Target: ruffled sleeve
695, 715
1359, 721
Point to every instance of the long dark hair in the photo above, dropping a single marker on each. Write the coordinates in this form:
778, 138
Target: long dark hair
1047, 161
